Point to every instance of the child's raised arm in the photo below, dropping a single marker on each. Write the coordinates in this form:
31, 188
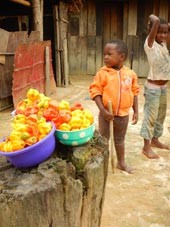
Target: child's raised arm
154, 23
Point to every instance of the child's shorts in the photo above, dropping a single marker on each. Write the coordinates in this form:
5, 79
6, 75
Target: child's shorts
120, 128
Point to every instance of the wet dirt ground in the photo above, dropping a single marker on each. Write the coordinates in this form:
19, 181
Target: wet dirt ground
141, 199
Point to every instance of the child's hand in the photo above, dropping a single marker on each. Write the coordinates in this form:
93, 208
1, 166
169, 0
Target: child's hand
134, 119
107, 115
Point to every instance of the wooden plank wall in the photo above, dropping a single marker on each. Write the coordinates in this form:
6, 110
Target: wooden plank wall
6, 69
135, 43
85, 48
99, 23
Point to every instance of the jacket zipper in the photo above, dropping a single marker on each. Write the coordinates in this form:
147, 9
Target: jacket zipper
118, 106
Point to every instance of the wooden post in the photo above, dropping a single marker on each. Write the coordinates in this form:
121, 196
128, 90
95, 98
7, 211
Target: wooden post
37, 6
57, 45
60, 37
66, 70
63, 29
22, 2
47, 71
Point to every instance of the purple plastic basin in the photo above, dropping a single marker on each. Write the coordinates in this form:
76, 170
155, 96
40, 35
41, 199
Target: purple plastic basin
33, 155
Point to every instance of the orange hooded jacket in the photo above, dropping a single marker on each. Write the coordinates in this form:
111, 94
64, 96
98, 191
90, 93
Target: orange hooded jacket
118, 86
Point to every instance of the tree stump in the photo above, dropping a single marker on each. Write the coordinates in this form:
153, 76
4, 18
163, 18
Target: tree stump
67, 190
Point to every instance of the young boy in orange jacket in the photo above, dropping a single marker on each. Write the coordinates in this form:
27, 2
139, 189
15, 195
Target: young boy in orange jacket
117, 83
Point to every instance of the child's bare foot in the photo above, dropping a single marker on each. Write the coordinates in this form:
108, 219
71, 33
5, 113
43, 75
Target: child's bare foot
125, 168
156, 143
150, 154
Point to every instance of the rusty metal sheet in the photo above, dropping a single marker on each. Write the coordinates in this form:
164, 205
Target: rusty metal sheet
29, 69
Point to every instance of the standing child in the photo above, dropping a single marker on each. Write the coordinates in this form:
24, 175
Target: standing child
117, 83
155, 89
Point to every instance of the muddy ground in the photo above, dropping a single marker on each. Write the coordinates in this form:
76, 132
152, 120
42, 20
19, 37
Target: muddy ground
141, 199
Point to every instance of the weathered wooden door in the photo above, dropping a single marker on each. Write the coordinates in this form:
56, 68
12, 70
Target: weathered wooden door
112, 21
89, 31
